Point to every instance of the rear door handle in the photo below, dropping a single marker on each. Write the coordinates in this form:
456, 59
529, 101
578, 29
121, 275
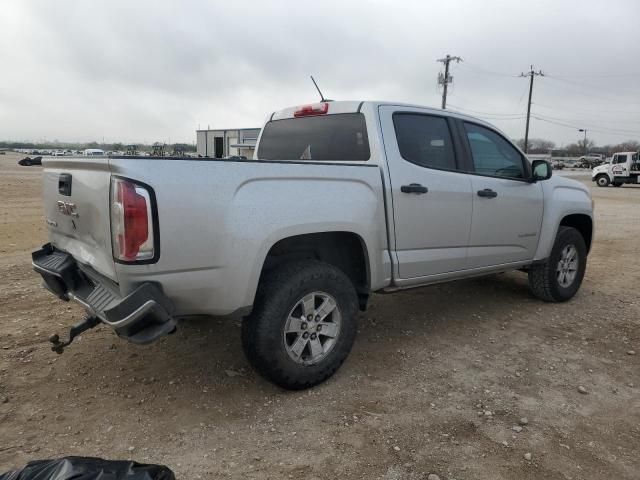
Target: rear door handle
487, 193
414, 188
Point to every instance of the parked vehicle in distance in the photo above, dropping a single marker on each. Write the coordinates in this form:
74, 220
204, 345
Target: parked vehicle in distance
591, 160
623, 168
28, 161
341, 200
93, 152
557, 164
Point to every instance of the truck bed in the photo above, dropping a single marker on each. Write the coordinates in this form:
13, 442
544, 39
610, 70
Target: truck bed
217, 219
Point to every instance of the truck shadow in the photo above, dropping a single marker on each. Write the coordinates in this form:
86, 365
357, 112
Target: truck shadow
208, 351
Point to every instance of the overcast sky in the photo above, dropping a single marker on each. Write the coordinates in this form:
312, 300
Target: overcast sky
136, 71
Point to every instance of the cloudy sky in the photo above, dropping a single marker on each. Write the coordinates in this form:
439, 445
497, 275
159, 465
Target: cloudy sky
135, 71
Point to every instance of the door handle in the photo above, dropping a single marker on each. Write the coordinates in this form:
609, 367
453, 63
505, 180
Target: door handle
487, 193
414, 188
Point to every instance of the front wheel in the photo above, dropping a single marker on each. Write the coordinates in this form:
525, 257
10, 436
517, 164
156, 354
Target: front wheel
559, 278
303, 324
602, 180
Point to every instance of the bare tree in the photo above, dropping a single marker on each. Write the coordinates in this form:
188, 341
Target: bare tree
537, 145
586, 145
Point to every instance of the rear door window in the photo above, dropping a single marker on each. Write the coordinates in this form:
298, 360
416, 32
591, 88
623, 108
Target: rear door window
425, 140
323, 137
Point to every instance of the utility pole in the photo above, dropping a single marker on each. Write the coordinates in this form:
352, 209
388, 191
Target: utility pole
445, 79
529, 74
585, 139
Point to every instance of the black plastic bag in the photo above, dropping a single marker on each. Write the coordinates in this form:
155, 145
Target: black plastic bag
89, 468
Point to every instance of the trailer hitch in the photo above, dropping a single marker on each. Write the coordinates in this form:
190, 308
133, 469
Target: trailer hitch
88, 322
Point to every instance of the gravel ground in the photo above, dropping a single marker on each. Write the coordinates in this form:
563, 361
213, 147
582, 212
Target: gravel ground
468, 380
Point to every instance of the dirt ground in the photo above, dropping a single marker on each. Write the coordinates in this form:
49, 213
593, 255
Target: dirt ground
436, 382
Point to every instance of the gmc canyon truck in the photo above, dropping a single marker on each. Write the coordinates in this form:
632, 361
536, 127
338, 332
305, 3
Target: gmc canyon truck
341, 200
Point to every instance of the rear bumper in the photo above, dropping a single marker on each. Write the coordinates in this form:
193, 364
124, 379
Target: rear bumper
141, 316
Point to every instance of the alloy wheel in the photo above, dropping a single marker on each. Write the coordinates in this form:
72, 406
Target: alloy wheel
312, 328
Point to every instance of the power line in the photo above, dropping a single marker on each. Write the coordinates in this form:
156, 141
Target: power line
598, 91
485, 71
543, 117
598, 76
531, 74
599, 111
575, 127
496, 114
446, 79
587, 122
522, 96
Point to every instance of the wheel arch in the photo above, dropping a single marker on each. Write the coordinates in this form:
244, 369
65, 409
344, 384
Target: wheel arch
581, 222
345, 250
566, 203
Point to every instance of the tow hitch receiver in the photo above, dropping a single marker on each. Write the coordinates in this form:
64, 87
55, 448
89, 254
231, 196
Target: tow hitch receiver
58, 346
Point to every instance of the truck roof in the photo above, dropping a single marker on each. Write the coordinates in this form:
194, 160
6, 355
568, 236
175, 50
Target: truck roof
353, 106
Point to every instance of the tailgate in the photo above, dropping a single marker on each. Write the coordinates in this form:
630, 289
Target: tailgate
76, 208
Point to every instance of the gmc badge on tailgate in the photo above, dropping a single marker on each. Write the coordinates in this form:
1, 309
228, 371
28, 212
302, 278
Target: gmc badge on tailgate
67, 208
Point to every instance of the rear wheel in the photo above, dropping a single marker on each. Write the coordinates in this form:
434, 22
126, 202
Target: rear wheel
560, 277
303, 324
602, 180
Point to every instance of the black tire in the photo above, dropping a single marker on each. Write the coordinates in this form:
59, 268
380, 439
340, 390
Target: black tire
543, 278
263, 337
602, 180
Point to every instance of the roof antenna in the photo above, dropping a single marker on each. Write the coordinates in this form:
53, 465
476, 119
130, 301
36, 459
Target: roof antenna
322, 99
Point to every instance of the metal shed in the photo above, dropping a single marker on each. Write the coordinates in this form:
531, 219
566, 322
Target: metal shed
227, 142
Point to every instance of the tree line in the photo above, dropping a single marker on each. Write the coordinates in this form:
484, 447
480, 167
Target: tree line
119, 147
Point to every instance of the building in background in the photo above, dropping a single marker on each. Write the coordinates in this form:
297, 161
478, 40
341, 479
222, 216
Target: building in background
227, 143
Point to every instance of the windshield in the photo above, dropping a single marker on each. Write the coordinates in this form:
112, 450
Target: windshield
323, 137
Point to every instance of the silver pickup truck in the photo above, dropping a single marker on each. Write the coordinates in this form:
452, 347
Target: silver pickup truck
341, 200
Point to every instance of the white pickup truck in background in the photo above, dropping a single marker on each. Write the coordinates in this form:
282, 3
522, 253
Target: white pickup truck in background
343, 199
623, 168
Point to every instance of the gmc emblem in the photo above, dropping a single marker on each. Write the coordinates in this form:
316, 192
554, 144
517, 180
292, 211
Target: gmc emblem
67, 208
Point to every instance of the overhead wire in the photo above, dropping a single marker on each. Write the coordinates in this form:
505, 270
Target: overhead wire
587, 123
485, 71
564, 82
596, 92
496, 115
598, 111
576, 127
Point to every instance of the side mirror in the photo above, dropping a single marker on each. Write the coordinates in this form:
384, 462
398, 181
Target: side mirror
541, 170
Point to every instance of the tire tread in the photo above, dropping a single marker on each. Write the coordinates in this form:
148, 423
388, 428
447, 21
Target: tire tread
542, 276
258, 328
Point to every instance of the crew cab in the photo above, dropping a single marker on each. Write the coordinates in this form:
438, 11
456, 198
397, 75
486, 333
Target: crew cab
342, 199
623, 168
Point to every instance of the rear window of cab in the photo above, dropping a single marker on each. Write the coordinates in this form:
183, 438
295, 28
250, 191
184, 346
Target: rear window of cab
336, 137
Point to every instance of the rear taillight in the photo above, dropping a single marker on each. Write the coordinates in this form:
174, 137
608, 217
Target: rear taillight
310, 110
132, 235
